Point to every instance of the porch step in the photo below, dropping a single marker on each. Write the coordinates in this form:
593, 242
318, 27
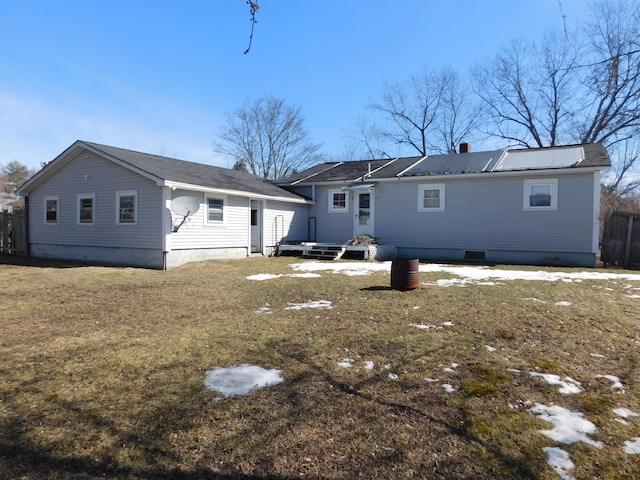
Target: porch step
330, 252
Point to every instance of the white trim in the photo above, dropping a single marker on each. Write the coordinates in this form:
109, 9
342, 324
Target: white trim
595, 246
440, 187
48, 198
127, 193
215, 223
233, 193
331, 206
528, 184
79, 198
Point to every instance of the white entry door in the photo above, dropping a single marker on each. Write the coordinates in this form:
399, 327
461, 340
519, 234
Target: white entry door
364, 210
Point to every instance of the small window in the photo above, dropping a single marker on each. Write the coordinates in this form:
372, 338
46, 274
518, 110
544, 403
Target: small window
338, 201
431, 197
126, 203
254, 217
215, 210
541, 194
86, 207
51, 210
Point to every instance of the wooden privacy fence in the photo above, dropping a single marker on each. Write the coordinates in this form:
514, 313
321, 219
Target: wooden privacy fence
621, 239
13, 232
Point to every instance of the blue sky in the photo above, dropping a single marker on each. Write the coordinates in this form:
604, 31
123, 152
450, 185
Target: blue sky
158, 76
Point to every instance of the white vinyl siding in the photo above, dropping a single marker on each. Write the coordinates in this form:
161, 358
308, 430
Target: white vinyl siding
127, 207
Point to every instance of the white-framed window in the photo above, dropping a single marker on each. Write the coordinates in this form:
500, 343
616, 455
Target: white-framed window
127, 207
86, 208
338, 201
215, 214
540, 194
431, 197
51, 210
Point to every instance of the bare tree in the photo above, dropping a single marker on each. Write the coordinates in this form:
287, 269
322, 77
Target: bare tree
526, 90
12, 175
430, 111
269, 137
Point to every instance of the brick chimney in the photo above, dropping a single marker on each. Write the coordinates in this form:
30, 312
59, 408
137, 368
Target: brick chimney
465, 147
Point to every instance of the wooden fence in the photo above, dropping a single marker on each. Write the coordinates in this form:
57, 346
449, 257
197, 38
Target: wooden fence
13, 232
621, 239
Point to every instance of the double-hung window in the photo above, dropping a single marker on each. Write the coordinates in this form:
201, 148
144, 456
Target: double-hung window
126, 207
86, 208
431, 197
215, 210
51, 210
540, 194
338, 201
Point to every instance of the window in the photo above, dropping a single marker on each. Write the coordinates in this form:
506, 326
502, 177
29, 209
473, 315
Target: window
126, 203
541, 194
431, 197
86, 206
215, 210
338, 201
51, 210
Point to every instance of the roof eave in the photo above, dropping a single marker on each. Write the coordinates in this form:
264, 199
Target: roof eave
239, 193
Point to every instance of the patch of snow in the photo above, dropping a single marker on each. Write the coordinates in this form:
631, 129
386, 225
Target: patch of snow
368, 365
616, 383
563, 304
513, 370
632, 447
392, 376
567, 386
625, 413
559, 460
633, 296
490, 349
264, 310
304, 275
241, 379
448, 388
597, 355
263, 276
346, 363
431, 380
313, 304
533, 299
447, 324
569, 427
422, 326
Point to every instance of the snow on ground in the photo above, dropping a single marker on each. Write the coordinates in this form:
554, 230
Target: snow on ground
567, 386
559, 460
568, 427
241, 379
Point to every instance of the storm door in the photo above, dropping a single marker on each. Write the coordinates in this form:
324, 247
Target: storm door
363, 211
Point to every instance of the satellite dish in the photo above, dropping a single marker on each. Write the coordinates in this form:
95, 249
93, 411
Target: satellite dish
185, 206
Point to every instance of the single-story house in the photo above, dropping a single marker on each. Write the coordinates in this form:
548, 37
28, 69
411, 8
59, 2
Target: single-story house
97, 203
103, 204
527, 206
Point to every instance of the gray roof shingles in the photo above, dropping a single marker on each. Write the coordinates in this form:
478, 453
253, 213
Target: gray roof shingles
171, 169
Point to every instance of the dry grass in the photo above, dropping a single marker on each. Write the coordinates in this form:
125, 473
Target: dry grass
102, 374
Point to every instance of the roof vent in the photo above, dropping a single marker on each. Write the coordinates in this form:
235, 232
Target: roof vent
465, 147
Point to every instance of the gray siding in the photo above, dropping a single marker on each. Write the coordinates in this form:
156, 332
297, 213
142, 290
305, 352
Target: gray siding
331, 227
487, 213
482, 213
103, 178
285, 221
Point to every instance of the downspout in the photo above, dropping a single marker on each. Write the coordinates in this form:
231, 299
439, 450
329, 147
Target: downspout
166, 225
27, 242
